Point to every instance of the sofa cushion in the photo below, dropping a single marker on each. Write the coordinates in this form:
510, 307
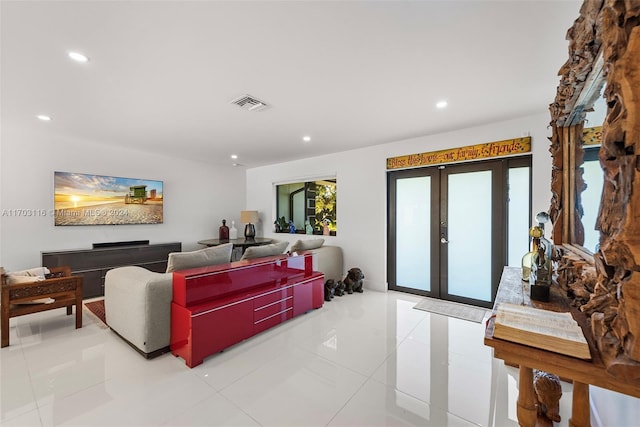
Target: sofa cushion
200, 258
305, 245
253, 252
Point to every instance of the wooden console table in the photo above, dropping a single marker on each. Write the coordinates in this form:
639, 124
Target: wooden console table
582, 372
65, 291
218, 306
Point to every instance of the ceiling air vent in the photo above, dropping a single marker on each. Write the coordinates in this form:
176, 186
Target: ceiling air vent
250, 103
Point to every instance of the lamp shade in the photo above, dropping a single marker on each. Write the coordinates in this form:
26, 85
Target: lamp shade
248, 217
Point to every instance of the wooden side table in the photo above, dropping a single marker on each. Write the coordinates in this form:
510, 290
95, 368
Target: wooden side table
65, 291
582, 372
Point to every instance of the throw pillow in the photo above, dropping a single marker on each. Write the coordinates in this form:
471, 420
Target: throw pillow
305, 245
254, 252
27, 276
33, 272
200, 258
14, 279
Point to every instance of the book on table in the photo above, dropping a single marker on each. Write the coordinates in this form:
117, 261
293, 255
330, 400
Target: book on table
544, 329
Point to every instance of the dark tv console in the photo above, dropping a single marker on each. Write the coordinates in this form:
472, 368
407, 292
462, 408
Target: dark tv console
118, 244
94, 263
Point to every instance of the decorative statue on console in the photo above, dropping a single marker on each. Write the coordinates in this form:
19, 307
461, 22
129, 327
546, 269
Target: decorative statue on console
353, 281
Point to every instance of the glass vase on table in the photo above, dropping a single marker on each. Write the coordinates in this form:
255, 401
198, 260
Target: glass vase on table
223, 231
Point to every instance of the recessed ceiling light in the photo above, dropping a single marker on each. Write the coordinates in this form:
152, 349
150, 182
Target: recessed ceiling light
441, 104
306, 138
77, 56
234, 156
44, 118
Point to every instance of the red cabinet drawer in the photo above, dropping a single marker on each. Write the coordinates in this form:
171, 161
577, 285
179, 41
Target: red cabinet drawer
260, 313
271, 297
273, 320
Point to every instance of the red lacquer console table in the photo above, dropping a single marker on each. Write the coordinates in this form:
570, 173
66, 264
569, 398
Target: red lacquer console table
218, 306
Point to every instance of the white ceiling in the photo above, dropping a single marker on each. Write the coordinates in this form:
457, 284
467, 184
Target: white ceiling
348, 73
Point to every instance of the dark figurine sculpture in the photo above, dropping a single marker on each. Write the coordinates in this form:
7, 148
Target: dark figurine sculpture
548, 392
339, 290
329, 289
353, 281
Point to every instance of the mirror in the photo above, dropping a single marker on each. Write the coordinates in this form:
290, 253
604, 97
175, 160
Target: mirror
592, 174
579, 91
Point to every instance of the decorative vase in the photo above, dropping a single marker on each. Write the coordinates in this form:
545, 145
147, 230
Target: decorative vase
233, 231
223, 231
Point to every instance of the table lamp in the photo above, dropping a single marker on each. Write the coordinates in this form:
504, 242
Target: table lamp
249, 217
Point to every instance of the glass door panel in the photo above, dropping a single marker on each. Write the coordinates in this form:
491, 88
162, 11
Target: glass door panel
518, 220
469, 234
413, 254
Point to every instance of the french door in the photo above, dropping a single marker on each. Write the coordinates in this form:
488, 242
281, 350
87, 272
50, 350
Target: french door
447, 229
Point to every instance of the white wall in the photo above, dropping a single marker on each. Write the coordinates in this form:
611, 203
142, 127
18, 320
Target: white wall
197, 196
361, 174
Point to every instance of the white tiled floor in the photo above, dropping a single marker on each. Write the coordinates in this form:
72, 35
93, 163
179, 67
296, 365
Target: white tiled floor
363, 359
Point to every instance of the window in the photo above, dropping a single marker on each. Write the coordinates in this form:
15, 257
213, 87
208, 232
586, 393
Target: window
311, 203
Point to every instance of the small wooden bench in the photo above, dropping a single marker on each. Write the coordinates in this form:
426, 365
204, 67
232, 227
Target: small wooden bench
18, 299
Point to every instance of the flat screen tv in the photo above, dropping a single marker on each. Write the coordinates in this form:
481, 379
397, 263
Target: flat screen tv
82, 199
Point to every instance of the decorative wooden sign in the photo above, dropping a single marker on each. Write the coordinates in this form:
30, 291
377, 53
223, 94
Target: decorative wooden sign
471, 152
592, 136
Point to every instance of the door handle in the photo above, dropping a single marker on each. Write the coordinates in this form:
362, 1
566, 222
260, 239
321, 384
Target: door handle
443, 233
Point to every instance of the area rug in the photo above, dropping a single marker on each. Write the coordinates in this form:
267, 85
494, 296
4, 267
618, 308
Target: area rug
452, 309
96, 308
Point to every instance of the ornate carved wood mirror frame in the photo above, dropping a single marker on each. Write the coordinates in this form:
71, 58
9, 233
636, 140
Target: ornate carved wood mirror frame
580, 85
604, 45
